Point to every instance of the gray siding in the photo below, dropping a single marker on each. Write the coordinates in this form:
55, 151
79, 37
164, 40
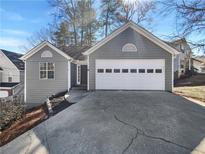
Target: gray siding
73, 74
22, 76
38, 90
146, 50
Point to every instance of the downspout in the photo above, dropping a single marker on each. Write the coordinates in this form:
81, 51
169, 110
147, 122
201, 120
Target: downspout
88, 73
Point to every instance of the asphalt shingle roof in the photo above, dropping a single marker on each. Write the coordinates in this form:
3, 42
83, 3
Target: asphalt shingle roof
14, 57
7, 84
75, 52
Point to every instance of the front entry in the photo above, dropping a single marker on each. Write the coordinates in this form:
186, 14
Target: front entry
83, 74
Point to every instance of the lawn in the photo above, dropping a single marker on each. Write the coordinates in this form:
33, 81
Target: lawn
193, 86
197, 92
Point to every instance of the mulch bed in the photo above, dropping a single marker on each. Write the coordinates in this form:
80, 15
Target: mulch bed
194, 80
29, 120
32, 118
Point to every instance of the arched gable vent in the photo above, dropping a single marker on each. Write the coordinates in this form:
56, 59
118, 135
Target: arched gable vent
46, 54
129, 47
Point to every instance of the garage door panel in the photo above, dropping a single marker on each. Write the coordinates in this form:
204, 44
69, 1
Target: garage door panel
130, 81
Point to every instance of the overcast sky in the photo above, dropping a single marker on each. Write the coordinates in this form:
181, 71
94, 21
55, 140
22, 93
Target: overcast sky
20, 19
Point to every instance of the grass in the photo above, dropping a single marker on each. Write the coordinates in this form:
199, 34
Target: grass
197, 92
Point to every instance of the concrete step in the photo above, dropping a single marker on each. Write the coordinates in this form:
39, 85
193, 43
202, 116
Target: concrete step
79, 87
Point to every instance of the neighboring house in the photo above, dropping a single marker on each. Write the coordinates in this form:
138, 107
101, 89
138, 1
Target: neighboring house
11, 72
130, 58
182, 61
198, 64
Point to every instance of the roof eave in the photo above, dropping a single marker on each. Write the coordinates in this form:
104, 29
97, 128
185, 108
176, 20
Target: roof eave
41, 45
137, 28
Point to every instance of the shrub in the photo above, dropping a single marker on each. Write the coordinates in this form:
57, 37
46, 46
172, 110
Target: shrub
10, 111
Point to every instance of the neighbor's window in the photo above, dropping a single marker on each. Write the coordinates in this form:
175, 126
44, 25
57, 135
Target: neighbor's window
116, 70
150, 70
141, 70
124, 70
47, 70
133, 70
158, 70
108, 70
100, 70
9, 79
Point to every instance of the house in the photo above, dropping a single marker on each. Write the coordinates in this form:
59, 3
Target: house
199, 64
11, 72
131, 58
182, 61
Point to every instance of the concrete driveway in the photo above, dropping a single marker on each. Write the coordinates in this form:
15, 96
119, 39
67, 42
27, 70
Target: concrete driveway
117, 122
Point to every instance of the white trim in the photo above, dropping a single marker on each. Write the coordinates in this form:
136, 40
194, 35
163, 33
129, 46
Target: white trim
25, 86
6, 88
39, 63
172, 73
40, 46
80, 62
69, 76
138, 29
129, 47
77, 75
88, 73
46, 54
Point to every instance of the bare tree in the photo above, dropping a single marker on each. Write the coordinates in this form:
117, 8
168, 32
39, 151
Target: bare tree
190, 18
136, 10
108, 17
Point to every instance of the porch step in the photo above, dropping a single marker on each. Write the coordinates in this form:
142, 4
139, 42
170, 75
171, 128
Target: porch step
79, 87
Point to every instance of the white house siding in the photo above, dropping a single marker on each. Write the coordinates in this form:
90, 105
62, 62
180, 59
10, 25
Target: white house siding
9, 69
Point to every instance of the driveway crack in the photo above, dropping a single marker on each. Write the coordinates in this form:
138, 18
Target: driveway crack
142, 133
133, 138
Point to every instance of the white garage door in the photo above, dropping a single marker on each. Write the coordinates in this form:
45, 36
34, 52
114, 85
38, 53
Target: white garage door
135, 74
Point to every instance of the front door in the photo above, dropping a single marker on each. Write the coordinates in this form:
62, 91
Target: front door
83, 74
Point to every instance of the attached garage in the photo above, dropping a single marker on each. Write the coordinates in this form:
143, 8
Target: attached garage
135, 74
130, 58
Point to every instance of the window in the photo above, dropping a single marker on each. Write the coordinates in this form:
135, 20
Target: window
116, 70
158, 70
78, 74
46, 54
47, 70
100, 70
150, 70
182, 66
129, 47
108, 70
141, 70
9, 79
124, 70
133, 70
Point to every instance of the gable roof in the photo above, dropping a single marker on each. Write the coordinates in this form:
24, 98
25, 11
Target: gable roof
14, 58
75, 52
40, 46
138, 29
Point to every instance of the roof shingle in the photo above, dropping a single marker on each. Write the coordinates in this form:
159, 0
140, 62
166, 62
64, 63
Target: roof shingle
14, 58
